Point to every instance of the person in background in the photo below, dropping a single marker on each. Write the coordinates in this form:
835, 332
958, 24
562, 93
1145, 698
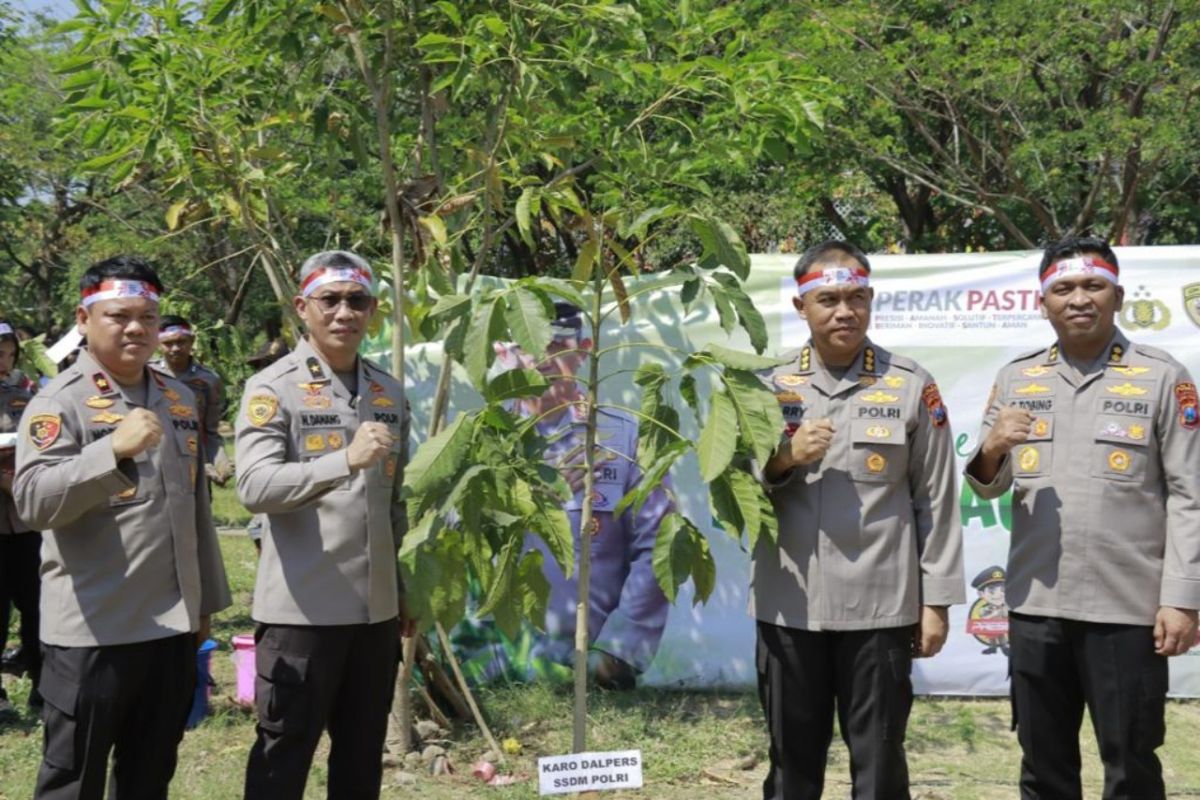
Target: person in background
627, 610
20, 547
176, 340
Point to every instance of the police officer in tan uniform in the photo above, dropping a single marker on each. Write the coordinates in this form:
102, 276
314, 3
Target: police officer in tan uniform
870, 544
19, 546
176, 339
107, 467
319, 442
1098, 439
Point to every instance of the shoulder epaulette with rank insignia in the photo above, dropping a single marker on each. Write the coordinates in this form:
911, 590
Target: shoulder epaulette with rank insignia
805, 364
868, 363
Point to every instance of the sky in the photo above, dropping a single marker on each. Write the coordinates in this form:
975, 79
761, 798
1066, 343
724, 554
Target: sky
62, 9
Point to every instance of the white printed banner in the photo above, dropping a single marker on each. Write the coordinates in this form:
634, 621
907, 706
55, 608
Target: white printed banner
962, 316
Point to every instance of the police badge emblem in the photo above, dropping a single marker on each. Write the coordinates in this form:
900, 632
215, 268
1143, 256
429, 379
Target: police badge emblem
1191, 302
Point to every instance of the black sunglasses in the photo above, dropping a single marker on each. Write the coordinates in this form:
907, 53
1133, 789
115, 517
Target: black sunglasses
358, 301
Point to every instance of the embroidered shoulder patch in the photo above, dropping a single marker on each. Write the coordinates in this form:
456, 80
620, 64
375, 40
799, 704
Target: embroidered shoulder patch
261, 408
44, 430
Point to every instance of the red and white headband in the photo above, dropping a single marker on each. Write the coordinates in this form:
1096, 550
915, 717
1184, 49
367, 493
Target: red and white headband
113, 289
319, 277
178, 329
833, 276
1080, 265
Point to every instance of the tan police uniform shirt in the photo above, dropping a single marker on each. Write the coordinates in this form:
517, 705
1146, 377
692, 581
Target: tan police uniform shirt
872, 531
129, 551
210, 401
1106, 491
14, 398
329, 552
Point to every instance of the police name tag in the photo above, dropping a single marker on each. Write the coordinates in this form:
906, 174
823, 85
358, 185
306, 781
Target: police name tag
590, 772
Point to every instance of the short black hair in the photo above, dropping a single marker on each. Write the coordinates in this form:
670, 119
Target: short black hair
1071, 246
126, 267
820, 252
167, 320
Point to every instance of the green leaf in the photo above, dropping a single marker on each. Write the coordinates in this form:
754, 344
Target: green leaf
218, 11
690, 291
528, 321
725, 506
81, 80
516, 383
524, 215
173, 212
419, 534
565, 290
586, 261
535, 588
736, 359
687, 390
645, 219
100, 162
450, 305
439, 458
436, 228
501, 582
450, 10
74, 64
748, 314
722, 246
725, 312
718, 439
760, 420
552, 524
682, 551
748, 495
434, 40
478, 347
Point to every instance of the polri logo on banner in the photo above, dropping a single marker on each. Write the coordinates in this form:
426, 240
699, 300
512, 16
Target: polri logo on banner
590, 772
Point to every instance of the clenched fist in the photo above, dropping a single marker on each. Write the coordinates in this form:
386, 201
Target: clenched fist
1012, 426
811, 441
138, 432
371, 444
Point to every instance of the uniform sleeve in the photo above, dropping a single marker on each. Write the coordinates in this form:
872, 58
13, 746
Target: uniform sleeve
65, 479
936, 514
214, 586
213, 411
1004, 475
1180, 443
634, 629
267, 482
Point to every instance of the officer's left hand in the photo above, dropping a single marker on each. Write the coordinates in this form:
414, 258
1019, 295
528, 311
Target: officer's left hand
1174, 630
931, 631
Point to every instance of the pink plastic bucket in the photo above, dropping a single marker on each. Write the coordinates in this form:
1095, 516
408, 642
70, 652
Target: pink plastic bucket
243, 660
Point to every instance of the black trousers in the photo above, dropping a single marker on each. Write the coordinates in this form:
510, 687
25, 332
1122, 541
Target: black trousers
315, 678
20, 587
1059, 666
803, 675
130, 700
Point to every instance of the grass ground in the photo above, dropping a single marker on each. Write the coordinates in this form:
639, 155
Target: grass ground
695, 744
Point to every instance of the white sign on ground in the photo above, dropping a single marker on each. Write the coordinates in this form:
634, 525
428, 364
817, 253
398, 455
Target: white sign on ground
590, 772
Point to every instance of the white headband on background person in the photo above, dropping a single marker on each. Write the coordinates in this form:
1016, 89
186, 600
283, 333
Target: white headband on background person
175, 330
